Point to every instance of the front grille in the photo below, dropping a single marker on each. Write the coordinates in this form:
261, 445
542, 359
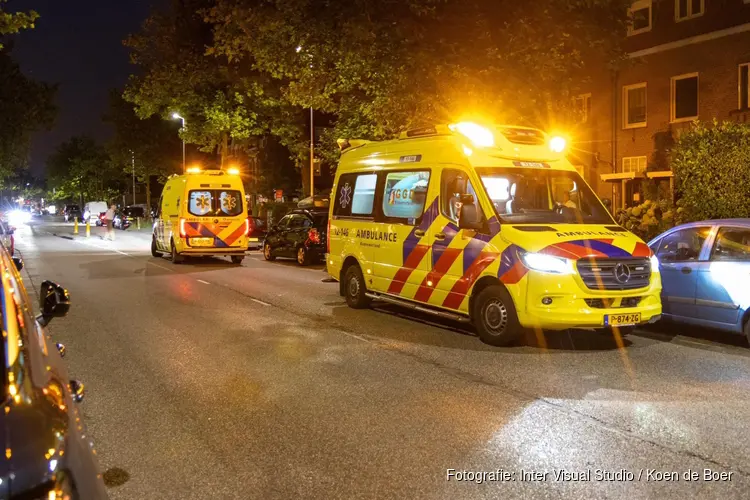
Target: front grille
608, 302
615, 274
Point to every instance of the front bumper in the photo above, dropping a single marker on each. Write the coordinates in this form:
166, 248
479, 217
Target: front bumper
569, 307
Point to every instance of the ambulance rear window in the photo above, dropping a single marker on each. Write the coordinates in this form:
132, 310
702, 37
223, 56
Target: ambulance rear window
215, 203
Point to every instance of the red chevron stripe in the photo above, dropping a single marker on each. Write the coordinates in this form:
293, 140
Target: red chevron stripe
235, 235
412, 261
442, 266
641, 250
514, 274
460, 289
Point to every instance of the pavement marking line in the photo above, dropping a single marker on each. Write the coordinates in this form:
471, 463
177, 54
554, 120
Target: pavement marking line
204, 282
160, 267
259, 301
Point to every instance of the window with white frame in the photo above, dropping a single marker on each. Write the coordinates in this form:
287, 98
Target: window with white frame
688, 9
634, 105
634, 164
582, 105
684, 98
743, 85
640, 17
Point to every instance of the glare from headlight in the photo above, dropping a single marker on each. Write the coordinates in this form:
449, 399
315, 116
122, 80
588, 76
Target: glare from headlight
18, 217
547, 263
654, 263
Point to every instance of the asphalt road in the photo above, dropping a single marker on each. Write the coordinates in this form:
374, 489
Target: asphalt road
208, 380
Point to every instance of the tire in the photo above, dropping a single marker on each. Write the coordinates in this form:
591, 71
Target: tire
237, 259
355, 288
176, 258
494, 316
747, 329
303, 256
268, 253
154, 249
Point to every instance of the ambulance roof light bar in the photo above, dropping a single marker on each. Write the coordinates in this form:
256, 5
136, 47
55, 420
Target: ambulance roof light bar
481, 136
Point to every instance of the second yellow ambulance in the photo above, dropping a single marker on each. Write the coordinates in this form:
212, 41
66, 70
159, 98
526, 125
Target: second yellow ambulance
488, 224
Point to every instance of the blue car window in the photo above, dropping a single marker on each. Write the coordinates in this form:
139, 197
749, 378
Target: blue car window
732, 244
684, 245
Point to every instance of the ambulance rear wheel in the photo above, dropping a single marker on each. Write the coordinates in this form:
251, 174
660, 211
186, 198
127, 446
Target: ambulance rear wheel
154, 249
175, 257
495, 318
237, 259
355, 288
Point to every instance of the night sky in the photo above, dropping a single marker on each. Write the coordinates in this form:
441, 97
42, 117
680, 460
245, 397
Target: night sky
78, 44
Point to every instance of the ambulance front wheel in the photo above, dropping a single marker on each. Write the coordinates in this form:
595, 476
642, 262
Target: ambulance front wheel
494, 317
355, 288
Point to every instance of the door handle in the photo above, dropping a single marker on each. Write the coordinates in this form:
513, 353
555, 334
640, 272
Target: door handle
440, 236
686, 270
419, 232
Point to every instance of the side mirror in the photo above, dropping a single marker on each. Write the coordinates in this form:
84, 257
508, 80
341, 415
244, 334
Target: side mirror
18, 261
469, 216
54, 302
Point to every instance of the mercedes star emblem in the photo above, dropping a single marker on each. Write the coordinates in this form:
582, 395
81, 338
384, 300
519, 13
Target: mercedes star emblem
622, 273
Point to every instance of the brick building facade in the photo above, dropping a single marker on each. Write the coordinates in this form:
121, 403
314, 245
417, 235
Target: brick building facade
687, 60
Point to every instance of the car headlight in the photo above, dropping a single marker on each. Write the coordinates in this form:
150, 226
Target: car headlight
654, 263
547, 263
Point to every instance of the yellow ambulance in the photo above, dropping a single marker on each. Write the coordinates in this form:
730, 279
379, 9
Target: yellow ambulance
202, 213
491, 225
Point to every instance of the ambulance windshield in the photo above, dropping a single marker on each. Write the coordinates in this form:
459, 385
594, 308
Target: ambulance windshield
542, 196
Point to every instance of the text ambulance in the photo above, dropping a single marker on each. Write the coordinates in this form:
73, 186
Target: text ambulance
202, 213
492, 225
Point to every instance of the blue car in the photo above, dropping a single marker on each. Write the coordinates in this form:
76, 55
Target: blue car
705, 272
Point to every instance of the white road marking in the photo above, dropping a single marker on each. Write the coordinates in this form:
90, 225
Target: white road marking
260, 302
160, 267
204, 282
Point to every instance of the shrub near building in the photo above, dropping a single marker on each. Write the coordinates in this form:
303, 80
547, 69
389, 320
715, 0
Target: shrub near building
711, 164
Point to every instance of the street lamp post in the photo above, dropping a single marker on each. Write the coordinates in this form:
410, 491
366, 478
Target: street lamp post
133, 157
312, 156
177, 116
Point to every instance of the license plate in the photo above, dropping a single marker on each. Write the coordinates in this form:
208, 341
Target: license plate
201, 242
253, 239
622, 319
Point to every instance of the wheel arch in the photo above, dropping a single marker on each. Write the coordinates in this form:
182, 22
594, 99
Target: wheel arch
482, 283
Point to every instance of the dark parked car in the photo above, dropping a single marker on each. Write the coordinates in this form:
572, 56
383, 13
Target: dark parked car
47, 453
6, 236
257, 233
70, 212
705, 270
300, 235
127, 216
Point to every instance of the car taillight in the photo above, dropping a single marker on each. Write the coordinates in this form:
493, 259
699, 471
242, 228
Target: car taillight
314, 235
247, 227
328, 237
183, 234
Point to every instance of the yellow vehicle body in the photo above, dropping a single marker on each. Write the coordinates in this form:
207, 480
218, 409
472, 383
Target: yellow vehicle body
420, 257
202, 214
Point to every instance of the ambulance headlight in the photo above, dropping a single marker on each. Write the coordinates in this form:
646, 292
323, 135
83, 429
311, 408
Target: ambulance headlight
547, 263
654, 263
557, 144
481, 136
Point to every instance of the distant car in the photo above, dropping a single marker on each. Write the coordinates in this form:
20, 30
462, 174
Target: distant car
705, 271
299, 235
127, 216
257, 233
47, 451
72, 212
93, 211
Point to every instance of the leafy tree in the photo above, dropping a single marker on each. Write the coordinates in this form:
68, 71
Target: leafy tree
82, 169
13, 22
150, 146
25, 106
711, 164
385, 66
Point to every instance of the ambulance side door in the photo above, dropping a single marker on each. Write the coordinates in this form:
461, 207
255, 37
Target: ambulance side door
408, 207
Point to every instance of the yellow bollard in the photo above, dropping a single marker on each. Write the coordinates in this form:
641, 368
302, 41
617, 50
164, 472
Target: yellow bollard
75, 225
88, 229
